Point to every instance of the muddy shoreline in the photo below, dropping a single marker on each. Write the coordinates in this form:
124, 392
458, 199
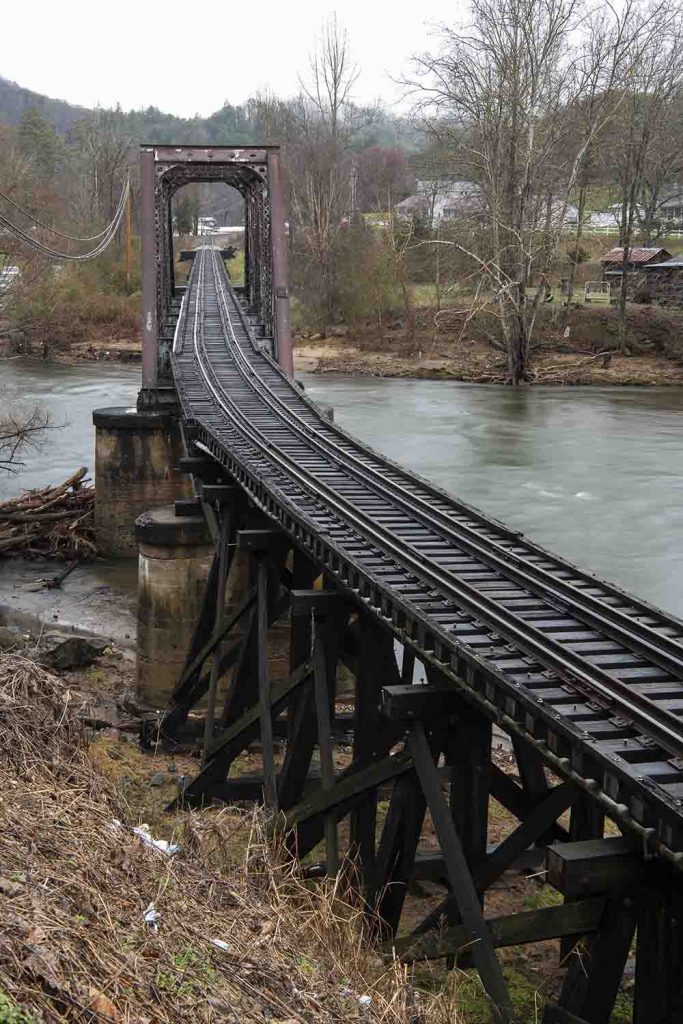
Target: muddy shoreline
474, 362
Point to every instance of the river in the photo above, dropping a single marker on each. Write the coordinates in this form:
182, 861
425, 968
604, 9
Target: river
592, 473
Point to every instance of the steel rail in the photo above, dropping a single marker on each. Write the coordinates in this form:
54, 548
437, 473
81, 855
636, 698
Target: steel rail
456, 527
646, 716
636, 636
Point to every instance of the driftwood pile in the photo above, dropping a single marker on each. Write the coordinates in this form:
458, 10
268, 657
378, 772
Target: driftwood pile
54, 522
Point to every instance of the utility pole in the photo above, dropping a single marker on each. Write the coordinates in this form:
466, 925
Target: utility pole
128, 242
354, 188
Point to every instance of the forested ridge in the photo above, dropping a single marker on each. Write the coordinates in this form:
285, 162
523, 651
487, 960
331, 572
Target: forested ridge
230, 123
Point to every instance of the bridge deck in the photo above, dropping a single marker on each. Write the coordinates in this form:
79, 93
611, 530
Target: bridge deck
590, 675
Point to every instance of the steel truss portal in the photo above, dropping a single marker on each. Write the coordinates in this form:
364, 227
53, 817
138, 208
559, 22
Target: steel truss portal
255, 173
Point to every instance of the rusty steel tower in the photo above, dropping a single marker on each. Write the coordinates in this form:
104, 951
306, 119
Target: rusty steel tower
255, 172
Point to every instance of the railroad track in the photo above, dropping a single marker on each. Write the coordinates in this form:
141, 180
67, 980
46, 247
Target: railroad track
592, 675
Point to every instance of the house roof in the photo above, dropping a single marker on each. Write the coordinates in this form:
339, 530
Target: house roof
676, 262
412, 203
635, 255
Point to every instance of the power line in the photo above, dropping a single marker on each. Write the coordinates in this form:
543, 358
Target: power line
54, 231
107, 235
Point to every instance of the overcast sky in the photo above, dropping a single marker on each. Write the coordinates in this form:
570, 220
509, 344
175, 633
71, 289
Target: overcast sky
189, 58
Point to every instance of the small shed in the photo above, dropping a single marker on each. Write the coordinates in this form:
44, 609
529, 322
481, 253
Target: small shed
662, 283
638, 258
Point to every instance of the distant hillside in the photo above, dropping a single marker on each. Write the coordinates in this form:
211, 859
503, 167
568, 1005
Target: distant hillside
15, 101
228, 125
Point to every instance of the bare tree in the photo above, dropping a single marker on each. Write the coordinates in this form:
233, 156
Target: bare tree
502, 96
327, 122
104, 154
20, 429
662, 178
382, 172
652, 92
606, 61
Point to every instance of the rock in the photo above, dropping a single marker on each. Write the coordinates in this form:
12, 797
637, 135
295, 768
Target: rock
9, 638
157, 780
171, 768
58, 650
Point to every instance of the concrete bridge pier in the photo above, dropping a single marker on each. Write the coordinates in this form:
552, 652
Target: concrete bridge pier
175, 556
137, 453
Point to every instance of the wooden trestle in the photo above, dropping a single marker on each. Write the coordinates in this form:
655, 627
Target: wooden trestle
429, 747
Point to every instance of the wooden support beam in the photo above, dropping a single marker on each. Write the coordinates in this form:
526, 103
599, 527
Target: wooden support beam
407, 665
219, 495
223, 566
186, 688
316, 602
398, 843
259, 541
302, 728
462, 885
658, 996
237, 736
324, 695
514, 799
507, 852
430, 866
406, 702
467, 745
264, 692
586, 821
300, 739
594, 866
243, 690
596, 967
182, 698
187, 507
467, 748
516, 929
376, 669
200, 465
527, 833
348, 788
530, 768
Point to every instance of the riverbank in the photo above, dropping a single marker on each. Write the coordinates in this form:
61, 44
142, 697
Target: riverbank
577, 346
479, 363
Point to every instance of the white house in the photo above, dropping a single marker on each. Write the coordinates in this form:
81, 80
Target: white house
439, 199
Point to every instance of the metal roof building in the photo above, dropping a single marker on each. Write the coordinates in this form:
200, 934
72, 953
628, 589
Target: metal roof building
638, 258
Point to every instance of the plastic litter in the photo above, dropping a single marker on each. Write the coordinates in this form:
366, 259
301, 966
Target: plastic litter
143, 832
152, 917
220, 944
364, 1000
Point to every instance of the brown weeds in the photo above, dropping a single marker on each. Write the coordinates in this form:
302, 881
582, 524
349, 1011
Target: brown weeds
97, 926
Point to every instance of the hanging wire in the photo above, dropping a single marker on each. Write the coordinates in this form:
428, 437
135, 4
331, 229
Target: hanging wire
46, 227
106, 236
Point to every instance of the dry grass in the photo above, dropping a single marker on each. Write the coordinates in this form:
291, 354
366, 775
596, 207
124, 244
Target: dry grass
74, 943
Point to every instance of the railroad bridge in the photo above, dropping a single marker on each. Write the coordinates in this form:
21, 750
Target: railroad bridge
446, 627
